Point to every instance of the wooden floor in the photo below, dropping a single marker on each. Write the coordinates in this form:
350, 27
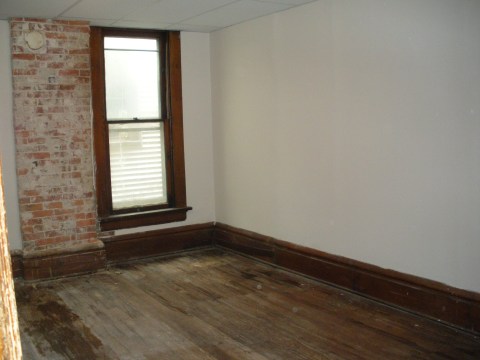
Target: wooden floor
213, 304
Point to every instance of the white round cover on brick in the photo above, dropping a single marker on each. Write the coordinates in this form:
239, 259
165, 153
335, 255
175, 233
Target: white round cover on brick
35, 39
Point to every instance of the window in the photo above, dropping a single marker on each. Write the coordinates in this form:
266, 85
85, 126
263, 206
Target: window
138, 130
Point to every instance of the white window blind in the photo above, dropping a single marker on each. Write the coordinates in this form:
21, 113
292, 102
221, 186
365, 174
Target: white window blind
137, 164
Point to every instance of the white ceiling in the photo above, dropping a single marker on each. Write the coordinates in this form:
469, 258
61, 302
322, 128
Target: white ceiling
188, 15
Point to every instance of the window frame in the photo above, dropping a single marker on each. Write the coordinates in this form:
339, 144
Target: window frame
172, 118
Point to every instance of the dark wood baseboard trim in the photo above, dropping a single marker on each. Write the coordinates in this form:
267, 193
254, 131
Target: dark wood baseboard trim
115, 249
424, 297
63, 264
17, 265
157, 242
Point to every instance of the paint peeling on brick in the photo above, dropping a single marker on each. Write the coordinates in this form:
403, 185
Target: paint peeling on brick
52, 117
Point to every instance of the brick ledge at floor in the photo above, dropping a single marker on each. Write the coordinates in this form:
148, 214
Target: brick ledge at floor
425, 297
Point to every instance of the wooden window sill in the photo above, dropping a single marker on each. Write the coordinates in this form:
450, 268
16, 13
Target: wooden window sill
130, 220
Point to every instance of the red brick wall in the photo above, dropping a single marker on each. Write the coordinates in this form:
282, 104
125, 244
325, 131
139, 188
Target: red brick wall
52, 117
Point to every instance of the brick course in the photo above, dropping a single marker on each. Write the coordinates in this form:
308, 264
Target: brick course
53, 130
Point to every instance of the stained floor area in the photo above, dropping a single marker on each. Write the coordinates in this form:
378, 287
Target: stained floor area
213, 304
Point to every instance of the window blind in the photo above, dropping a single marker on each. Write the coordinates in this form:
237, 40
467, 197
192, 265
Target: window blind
137, 164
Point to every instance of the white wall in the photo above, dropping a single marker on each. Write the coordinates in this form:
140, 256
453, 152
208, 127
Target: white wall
353, 127
197, 122
7, 142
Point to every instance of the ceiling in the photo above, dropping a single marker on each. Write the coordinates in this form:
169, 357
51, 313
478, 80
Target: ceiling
187, 15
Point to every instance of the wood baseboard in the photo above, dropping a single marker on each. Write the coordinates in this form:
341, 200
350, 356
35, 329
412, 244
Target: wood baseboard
157, 242
424, 297
63, 264
17, 265
115, 249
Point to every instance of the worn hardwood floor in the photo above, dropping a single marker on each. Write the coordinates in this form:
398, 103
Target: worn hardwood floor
213, 304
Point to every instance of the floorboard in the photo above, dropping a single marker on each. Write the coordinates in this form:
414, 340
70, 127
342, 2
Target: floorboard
213, 304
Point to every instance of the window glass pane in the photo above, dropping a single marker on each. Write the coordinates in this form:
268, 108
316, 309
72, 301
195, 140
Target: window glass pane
132, 84
130, 43
137, 165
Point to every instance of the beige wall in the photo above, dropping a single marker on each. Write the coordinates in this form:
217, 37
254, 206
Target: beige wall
7, 141
353, 127
197, 118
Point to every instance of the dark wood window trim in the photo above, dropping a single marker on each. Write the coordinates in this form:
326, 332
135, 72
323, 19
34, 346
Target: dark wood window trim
176, 209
